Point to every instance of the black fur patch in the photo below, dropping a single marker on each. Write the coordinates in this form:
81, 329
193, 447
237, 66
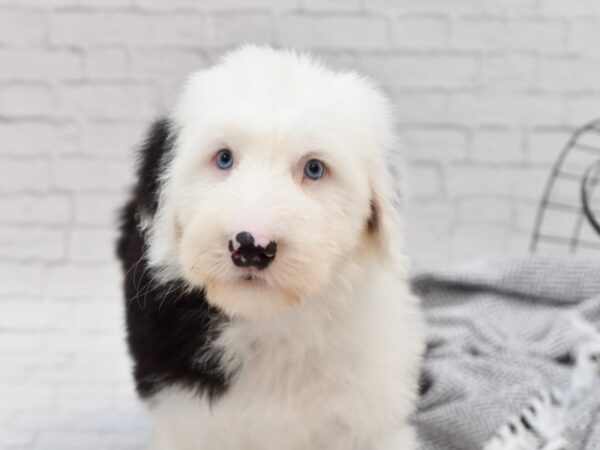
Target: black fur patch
153, 155
169, 328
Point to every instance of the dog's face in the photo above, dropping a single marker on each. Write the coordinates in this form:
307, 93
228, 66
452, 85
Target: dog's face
277, 184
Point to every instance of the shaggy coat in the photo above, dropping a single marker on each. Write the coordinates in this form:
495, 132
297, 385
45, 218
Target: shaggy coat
318, 349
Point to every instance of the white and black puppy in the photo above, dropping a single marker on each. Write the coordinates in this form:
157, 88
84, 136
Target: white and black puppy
266, 294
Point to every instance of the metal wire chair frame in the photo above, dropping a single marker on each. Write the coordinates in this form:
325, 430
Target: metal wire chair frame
588, 182
590, 177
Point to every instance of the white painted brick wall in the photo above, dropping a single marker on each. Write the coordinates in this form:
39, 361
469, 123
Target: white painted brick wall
487, 92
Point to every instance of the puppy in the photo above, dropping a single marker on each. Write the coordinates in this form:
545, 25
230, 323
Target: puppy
267, 306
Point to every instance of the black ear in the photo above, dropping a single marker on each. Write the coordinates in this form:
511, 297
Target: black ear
153, 156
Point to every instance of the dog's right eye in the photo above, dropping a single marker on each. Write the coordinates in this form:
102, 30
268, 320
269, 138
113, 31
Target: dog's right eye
314, 169
224, 159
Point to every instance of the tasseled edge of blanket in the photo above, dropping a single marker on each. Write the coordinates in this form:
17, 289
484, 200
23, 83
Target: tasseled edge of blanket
541, 424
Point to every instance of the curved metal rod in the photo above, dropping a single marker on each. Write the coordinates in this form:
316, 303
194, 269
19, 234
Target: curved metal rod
585, 195
594, 125
590, 178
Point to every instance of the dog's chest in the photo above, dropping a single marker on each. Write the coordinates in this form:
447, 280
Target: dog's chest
298, 407
285, 394
308, 383
304, 377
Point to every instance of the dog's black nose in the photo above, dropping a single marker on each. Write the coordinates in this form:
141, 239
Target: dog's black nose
246, 252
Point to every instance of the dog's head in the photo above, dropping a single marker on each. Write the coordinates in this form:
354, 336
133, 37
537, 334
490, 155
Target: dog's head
275, 185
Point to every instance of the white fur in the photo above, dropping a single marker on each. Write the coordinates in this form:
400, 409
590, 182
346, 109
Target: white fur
325, 343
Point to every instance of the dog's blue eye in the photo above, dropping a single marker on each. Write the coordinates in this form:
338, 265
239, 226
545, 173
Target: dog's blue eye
314, 169
224, 159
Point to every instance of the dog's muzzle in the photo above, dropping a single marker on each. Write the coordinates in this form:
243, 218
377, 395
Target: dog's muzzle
246, 251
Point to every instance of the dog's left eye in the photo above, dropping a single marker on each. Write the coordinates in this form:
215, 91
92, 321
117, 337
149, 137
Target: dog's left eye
314, 169
224, 159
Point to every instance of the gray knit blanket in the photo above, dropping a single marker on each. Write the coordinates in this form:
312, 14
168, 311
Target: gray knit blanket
513, 356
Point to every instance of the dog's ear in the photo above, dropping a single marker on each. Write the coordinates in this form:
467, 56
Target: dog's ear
384, 219
152, 158
143, 202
